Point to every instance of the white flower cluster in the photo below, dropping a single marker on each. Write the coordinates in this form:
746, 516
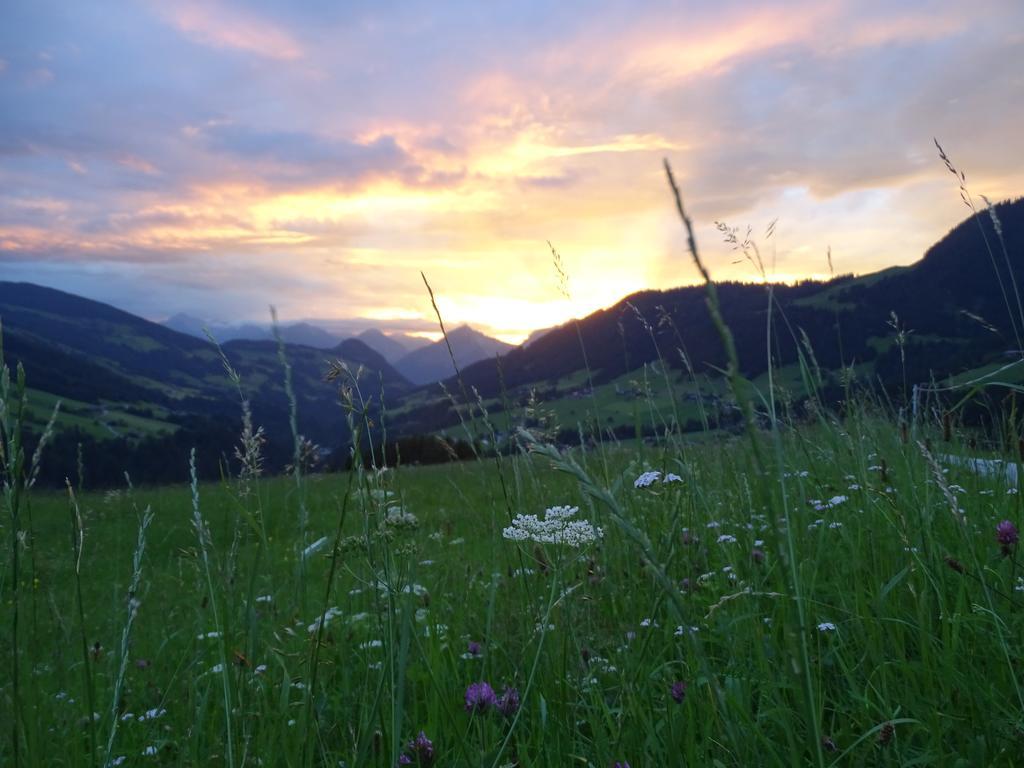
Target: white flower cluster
399, 517
647, 479
554, 528
821, 506
331, 613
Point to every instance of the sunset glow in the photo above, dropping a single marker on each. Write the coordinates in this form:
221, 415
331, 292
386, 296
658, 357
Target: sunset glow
215, 158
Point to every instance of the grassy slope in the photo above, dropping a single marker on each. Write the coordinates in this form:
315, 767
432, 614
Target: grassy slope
100, 421
916, 642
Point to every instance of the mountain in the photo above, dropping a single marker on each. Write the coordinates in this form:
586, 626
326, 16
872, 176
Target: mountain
534, 335
304, 333
392, 348
433, 362
958, 302
309, 335
222, 332
104, 359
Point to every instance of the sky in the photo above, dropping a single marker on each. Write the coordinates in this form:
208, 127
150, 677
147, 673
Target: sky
216, 158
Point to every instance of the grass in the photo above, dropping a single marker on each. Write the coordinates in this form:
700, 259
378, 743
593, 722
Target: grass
588, 637
100, 421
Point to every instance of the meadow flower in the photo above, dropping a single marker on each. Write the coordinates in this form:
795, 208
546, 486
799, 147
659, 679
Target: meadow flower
826, 626
757, 555
647, 479
726, 538
672, 478
1007, 536
508, 704
329, 614
480, 697
473, 647
419, 751
555, 527
678, 691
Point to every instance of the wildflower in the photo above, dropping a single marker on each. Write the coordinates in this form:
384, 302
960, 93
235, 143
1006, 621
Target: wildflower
554, 528
1007, 536
757, 555
149, 751
623, 764
421, 750
480, 697
826, 626
508, 704
678, 691
473, 648
324, 620
646, 479
828, 744
726, 538
671, 477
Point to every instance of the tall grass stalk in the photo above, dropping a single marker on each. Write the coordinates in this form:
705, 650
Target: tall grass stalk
77, 542
12, 459
126, 633
203, 537
293, 423
812, 712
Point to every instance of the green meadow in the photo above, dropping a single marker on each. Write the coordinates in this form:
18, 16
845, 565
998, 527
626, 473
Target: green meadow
828, 591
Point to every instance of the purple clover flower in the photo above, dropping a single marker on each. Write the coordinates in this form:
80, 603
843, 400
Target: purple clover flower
623, 764
473, 647
1007, 536
422, 749
508, 704
678, 691
480, 697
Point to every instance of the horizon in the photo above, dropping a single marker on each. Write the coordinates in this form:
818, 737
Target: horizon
178, 159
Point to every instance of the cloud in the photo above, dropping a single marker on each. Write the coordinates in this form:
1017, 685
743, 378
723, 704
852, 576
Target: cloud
307, 156
219, 26
334, 150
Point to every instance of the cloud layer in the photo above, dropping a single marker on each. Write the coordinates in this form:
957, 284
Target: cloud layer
217, 157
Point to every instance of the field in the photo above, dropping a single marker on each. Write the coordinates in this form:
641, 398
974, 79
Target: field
826, 592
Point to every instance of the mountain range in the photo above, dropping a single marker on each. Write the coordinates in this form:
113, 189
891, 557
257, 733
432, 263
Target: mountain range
146, 390
419, 359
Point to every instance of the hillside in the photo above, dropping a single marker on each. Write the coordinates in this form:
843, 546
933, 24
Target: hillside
847, 321
92, 353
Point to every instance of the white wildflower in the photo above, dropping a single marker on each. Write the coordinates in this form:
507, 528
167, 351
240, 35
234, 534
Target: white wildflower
826, 626
554, 528
646, 479
726, 538
671, 477
329, 614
